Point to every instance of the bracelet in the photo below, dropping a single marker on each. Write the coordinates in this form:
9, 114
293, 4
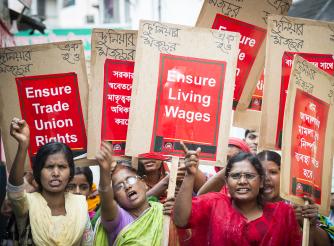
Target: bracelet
103, 189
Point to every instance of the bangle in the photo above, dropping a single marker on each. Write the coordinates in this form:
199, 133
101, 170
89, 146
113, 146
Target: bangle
103, 188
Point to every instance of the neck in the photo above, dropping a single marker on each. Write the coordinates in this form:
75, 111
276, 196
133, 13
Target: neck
276, 199
139, 211
249, 209
153, 177
56, 202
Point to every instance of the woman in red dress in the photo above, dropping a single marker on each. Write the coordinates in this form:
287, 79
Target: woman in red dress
243, 218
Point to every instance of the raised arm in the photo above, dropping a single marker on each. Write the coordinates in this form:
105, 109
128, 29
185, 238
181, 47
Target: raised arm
19, 130
183, 200
158, 189
109, 207
214, 184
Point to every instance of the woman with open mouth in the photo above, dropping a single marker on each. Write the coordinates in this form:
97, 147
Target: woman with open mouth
127, 217
243, 218
55, 216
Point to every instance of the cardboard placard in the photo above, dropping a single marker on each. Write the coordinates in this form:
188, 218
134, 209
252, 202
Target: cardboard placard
49, 83
287, 34
181, 90
322, 61
251, 118
251, 22
112, 64
308, 136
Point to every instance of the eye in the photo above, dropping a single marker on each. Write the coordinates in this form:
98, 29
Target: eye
119, 186
249, 176
84, 187
132, 180
235, 175
71, 187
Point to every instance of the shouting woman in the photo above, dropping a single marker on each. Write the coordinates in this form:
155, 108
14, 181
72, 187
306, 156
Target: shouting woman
54, 216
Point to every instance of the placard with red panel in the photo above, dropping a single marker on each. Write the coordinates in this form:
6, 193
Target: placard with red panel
188, 105
250, 42
256, 102
323, 61
51, 106
116, 102
308, 138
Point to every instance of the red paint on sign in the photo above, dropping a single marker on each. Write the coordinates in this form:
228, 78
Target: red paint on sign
256, 102
52, 108
323, 61
118, 75
188, 106
307, 148
250, 43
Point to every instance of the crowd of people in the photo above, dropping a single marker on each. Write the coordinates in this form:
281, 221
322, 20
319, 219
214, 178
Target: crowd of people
57, 203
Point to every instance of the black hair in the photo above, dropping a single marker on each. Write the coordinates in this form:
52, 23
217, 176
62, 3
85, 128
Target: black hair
44, 152
248, 131
268, 155
255, 162
86, 172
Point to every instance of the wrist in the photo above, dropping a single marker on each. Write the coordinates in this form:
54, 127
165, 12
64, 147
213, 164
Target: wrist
103, 188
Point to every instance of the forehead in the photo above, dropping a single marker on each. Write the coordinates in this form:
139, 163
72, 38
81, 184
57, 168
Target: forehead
243, 166
79, 179
121, 174
269, 165
57, 158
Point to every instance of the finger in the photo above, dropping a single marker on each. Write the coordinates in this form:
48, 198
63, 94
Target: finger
198, 151
21, 123
309, 199
184, 147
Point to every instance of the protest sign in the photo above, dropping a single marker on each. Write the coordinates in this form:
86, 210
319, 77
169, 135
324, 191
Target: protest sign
48, 82
112, 66
322, 61
181, 90
251, 23
288, 34
307, 149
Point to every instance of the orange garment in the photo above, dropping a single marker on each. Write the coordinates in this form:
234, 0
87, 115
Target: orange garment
93, 200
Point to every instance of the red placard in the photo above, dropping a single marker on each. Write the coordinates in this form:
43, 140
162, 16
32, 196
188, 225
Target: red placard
307, 149
52, 108
188, 105
256, 102
323, 61
118, 75
250, 43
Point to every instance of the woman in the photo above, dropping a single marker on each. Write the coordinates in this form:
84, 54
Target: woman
217, 182
320, 232
82, 184
55, 216
241, 219
126, 215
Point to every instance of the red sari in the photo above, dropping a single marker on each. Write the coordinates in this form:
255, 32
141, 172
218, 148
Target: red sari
214, 221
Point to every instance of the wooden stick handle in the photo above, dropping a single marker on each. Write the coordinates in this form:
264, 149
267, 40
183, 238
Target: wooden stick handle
306, 230
170, 193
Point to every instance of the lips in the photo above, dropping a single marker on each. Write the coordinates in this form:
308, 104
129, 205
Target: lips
242, 190
268, 190
55, 183
132, 195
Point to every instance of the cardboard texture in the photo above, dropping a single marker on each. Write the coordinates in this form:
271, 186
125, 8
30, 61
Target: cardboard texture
162, 46
248, 17
292, 35
308, 136
53, 61
106, 44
